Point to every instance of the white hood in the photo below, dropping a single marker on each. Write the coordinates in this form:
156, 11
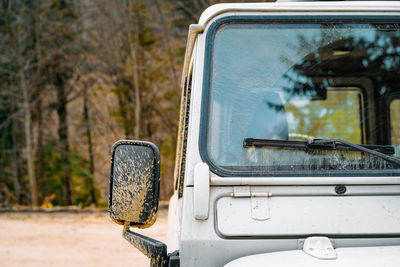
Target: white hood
346, 257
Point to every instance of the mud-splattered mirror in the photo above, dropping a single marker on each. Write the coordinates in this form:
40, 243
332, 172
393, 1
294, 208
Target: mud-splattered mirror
134, 183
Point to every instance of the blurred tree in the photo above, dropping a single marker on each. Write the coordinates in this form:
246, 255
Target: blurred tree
75, 76
18, 25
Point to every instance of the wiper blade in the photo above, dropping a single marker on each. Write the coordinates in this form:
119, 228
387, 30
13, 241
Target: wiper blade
380, 151
322, 144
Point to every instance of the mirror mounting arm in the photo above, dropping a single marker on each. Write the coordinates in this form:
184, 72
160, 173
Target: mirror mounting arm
153, 249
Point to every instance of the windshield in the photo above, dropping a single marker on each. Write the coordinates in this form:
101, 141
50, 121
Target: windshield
301, 81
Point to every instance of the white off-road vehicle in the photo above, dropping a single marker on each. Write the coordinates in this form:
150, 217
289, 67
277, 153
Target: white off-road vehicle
289, 141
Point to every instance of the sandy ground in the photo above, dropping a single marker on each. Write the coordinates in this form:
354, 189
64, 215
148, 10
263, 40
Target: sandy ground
70, 239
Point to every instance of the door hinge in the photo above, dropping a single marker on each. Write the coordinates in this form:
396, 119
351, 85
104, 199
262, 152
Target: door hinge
259, 201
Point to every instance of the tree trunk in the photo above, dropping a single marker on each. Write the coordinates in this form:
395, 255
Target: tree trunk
90, 145
39, 105
26, 107
135, 70
39, 148
167, 44
17, 188
63, 138
2, 163
28, 138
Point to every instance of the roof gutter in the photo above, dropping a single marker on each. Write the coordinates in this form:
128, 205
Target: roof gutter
194, 30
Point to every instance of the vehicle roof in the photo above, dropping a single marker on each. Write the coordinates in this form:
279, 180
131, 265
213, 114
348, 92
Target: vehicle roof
363, 6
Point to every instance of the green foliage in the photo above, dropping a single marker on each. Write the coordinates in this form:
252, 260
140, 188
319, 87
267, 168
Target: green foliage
52, 183
81, 178
167, 151
81, 188
81, 181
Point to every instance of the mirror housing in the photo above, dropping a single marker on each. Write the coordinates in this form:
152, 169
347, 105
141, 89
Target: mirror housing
134, 183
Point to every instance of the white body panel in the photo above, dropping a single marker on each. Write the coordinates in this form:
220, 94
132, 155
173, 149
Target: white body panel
229, 232
296, 216
174, 220
202, 245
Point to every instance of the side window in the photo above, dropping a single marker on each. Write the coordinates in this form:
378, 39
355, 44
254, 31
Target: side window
395, 125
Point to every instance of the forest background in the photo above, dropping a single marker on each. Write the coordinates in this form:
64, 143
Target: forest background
78, 75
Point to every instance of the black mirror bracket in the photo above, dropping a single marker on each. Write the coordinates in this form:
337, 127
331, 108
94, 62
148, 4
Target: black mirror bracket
153, 249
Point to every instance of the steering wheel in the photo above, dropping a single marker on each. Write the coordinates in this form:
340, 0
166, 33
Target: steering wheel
300, 136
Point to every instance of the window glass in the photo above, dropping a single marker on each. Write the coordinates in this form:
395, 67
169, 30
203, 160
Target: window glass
337, 116
297, 82
395, 124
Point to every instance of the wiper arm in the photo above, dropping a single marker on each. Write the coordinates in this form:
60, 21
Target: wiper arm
326, 144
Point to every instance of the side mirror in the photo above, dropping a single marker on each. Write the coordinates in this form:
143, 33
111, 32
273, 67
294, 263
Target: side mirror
134, 183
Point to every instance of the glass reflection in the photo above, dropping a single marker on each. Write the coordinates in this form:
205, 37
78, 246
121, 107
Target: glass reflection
298, 82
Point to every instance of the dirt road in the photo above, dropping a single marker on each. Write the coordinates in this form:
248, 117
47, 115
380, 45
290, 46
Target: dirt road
70, 239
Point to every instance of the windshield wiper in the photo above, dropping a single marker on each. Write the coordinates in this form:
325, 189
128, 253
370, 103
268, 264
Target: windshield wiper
380, 151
